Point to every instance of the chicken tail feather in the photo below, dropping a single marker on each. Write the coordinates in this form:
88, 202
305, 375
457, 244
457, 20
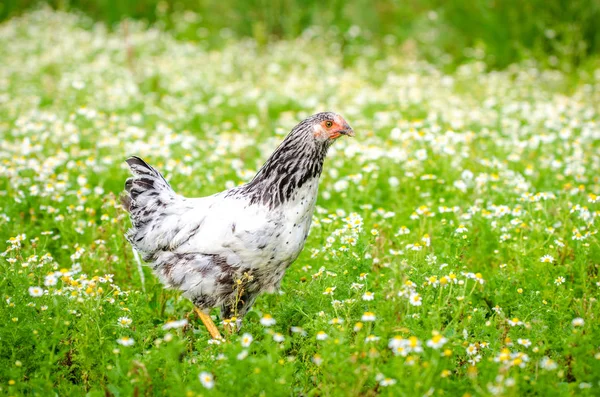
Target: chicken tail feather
144, 182
147, 197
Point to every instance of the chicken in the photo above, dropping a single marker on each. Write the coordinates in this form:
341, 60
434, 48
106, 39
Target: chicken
226, 249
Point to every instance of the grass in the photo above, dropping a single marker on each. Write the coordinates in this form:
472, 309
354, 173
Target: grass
467, 205
560, 34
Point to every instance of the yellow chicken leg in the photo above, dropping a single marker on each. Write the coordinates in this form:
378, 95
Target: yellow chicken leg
209, 324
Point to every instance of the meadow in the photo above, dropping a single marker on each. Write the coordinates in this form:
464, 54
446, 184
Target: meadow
454, 250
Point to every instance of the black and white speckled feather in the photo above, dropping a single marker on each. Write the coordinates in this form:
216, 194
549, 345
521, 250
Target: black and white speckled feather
203, 245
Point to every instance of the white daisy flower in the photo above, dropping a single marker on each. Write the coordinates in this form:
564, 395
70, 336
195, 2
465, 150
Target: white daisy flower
267, 320
277, 337
437, 341
36, 292
368, 316
547, 259
207, 380
415, 299
368, 296
125, 341
246, 340
175, 324
124, 322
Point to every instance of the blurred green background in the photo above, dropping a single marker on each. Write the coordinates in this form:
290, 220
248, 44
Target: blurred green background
560, 34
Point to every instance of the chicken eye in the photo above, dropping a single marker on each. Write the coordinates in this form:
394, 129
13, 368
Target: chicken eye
328, 124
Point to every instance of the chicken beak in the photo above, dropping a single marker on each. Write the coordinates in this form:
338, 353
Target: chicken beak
347, 131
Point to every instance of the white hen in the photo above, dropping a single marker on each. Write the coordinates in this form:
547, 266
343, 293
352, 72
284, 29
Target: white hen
224, 250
